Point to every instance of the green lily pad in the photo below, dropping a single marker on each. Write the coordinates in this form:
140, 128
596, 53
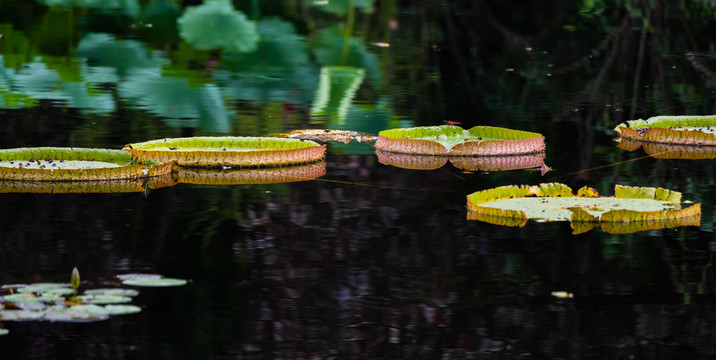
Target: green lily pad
150, 280
122, 309
77, 313
4, 332
228, 151
78, 164
112, 292
455, 141
21, 315
631, 209
682, 130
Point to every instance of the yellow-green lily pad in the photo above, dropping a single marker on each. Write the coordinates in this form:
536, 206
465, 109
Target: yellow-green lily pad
229, 151
631, 208
75, 164
681, 130
456, 141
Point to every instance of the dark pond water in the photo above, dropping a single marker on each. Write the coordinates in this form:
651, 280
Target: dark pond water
368, 260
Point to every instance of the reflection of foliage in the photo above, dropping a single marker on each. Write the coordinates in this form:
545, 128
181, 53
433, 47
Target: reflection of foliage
333, 49
217, 25
104, 51
129, 7
341, 7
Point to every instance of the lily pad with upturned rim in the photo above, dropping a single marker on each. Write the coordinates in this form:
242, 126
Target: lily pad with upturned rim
75, 164
680, 130
455, 141
631, 209
150, 280
229, 151
669, 151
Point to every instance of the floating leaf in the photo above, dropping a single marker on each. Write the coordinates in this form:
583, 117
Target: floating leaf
51, 288
213, 176
122, 309
587, 191
135, 276
4, 332
229, 151
21, 315
632, 208
62, 164
454, 140
161, 282
217, 25
682, 130
112, 292
103, 299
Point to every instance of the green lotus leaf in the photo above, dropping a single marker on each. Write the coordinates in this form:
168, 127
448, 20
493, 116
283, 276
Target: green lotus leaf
77, 313
217, 25
341, 7
112, 292
4, 332
228, 151
681, 130
103, 299
213, 176
455, 141
161, 282
631, 209
75, 164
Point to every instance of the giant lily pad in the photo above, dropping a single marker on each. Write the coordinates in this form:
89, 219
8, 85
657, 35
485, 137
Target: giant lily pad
220, 176
630, 209
682, 130
75, 164
229, 151
455, 141
470, 163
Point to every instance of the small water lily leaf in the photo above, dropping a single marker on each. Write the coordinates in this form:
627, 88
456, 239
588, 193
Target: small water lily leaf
21, 315
4, 332
78, 164
220, 176
78, 313
52, 288
135, 276
122, 309
656, 207
103, 299
229, 151
161, 282
453, 140
682, 130
112, 292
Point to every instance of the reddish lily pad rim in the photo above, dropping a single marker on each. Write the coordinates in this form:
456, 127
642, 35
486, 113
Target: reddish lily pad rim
510, 141
229, 151
470, 163
272, 175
